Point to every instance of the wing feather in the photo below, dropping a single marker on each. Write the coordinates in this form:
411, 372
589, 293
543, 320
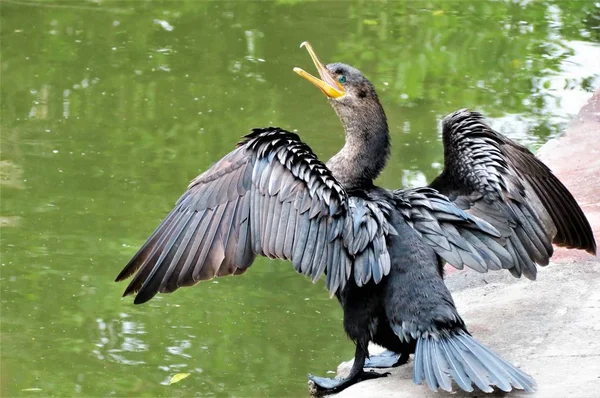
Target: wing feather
271, 196
169, 283
496, 180
456, 236
281, 230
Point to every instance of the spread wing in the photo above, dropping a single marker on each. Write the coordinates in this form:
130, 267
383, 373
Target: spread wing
456, 236
503, 183
271, 196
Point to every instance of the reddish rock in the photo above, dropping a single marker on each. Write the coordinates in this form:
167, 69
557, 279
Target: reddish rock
575, 159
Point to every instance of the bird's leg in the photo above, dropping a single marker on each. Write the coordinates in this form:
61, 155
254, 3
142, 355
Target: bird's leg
387, 359
322, 386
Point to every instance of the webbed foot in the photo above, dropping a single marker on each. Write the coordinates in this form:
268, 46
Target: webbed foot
387, 359
319, 386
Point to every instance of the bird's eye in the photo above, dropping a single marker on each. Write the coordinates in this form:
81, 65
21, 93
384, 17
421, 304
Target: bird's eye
342, 79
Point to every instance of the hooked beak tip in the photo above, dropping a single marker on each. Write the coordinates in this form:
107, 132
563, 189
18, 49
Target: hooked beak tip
326, 84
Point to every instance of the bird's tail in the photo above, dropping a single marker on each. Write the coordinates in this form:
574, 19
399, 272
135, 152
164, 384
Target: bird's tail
458, 356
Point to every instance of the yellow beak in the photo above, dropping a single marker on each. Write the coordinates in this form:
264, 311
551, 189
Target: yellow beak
327, 84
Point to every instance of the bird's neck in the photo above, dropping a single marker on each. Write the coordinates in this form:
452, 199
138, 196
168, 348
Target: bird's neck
366, 150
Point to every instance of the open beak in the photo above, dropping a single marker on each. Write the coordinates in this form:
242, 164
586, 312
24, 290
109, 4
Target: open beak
326, 84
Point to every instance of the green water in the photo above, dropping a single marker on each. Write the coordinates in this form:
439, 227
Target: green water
109, 108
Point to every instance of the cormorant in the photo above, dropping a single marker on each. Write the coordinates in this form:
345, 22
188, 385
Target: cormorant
495, 206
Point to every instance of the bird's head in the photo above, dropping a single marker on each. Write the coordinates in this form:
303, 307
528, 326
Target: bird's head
365, 126
345, 86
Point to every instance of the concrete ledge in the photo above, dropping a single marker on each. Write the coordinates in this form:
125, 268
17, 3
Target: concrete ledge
550, 328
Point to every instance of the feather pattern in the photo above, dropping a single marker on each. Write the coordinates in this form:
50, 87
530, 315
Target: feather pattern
456, 236
272, 197
499, 181
458, 354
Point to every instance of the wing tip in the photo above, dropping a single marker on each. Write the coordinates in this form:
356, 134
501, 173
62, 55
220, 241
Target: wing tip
588, 247
143, 297
124, 274
133, 265
130, 290
576, 232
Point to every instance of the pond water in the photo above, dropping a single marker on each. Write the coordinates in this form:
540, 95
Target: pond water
109, 108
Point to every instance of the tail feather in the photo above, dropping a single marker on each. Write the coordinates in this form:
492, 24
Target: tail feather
439, 364
429, 372
459, 356
503, 379
473, 367
455, 368
519, 379
418, 372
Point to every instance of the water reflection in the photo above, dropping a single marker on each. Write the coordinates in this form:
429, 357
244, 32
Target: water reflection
108, 108
119, 337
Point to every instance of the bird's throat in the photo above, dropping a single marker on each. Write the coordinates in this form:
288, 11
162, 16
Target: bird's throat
366, 150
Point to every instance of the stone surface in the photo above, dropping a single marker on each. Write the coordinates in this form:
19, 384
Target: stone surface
551, 327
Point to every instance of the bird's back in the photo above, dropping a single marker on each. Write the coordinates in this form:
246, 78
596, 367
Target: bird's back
416, 281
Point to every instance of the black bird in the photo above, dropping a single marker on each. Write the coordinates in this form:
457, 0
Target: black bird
495, 206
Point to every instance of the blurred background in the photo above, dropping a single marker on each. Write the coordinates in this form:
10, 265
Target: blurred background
109, 108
